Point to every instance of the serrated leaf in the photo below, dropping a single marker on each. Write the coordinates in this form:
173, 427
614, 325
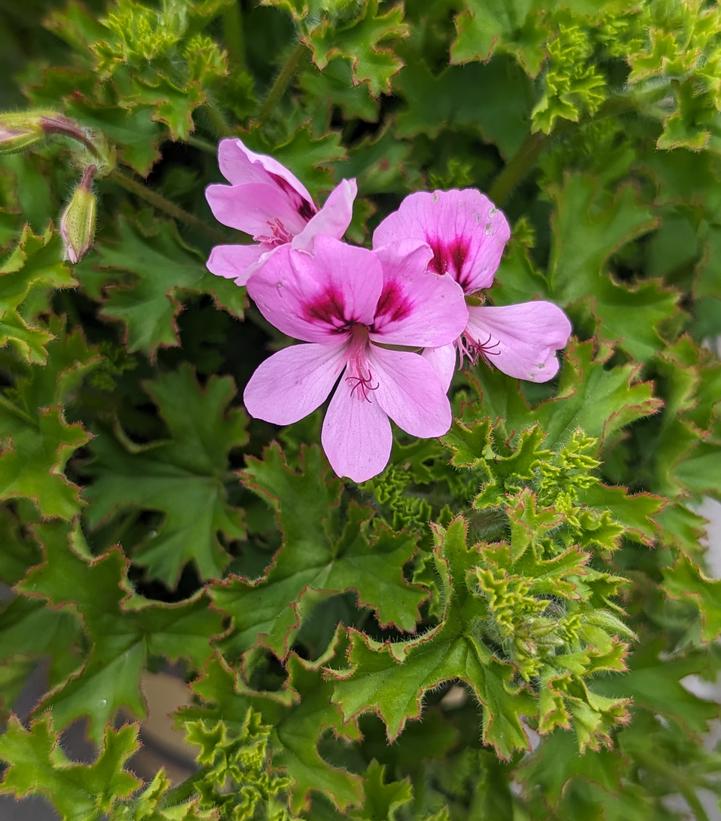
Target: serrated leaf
149, 275
124, 629
359, 41
382, 800
36, 263
686, 581
322, 555
300, 715
493, 100
81, 792
391, 679
183, 477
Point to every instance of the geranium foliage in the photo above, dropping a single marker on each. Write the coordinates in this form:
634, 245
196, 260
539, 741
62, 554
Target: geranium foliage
500, 624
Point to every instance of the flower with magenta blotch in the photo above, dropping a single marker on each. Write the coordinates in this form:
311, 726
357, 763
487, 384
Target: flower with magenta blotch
267, 201
467, 235
351, 307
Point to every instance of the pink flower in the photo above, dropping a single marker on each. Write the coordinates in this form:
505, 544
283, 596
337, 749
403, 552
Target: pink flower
347, 305
467, 235
271, 204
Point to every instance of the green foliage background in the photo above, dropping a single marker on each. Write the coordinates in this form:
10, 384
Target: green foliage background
502, 624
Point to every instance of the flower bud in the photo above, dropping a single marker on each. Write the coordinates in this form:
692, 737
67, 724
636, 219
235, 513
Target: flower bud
77, 224
19, 131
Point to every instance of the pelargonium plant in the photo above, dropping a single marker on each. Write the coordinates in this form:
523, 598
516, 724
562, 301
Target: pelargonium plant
360, 409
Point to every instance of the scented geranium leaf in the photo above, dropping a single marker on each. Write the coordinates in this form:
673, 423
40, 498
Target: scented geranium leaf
494, 100
37, 765
35, 264
124, 629
590, 224
148, 276
637, 512
597, 399
183, 477
30, 631
687, 582
300, 715
321, 555
382, 800
17, 552
487, 26
333, 86
359, 40
391, 679
38, 441
655, 684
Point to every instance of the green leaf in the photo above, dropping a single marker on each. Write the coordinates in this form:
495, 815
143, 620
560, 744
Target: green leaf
589, 225
487, 26
323, 554
493, 100
81, 792
148, 275
300, 714
183, 477
35, 265
391, 679
124, 629
359, 41
687, 582
382, 801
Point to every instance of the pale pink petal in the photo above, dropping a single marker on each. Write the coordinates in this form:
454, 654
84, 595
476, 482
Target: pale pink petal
293, 382
236, 262
240, 165
521, 340
416, 308
356, 434
333, 218
410, 392
443, 361
465, 230
318, 297
263, 211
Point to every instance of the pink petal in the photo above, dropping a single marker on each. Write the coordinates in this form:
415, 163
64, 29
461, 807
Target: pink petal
416, 308
465, 230
317, 297
293, 382
443, 361
356, 434
236, 262
521, 340
240, 165
333, 218
410, 392
257, 209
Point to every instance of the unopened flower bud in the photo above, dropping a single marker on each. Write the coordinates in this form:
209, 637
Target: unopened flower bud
18, 132
77, 224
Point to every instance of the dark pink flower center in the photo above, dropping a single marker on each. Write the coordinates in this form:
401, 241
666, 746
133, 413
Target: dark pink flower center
393, 306
449, 257
328, 309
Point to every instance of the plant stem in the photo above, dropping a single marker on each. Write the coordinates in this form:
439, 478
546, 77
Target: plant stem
517, 168
233, 34
203, 145
16, 411
163, 204
217, 120
281, 82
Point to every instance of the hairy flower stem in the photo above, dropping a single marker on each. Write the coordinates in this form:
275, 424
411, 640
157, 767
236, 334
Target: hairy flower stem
517, 168
163, 204
233, 34
281, 82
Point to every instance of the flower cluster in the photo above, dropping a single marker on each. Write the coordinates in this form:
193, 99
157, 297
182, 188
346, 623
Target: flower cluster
381, 329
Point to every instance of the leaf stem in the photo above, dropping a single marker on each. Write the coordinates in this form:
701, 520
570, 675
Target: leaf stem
517, 168
282, 81
16, 411
163, 204
233, 34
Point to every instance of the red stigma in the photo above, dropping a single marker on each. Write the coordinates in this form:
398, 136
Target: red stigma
473, 350
363, 384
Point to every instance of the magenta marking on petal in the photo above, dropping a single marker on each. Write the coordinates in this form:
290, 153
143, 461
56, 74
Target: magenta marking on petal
328, 308
392, 305
449, 257
302, 206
